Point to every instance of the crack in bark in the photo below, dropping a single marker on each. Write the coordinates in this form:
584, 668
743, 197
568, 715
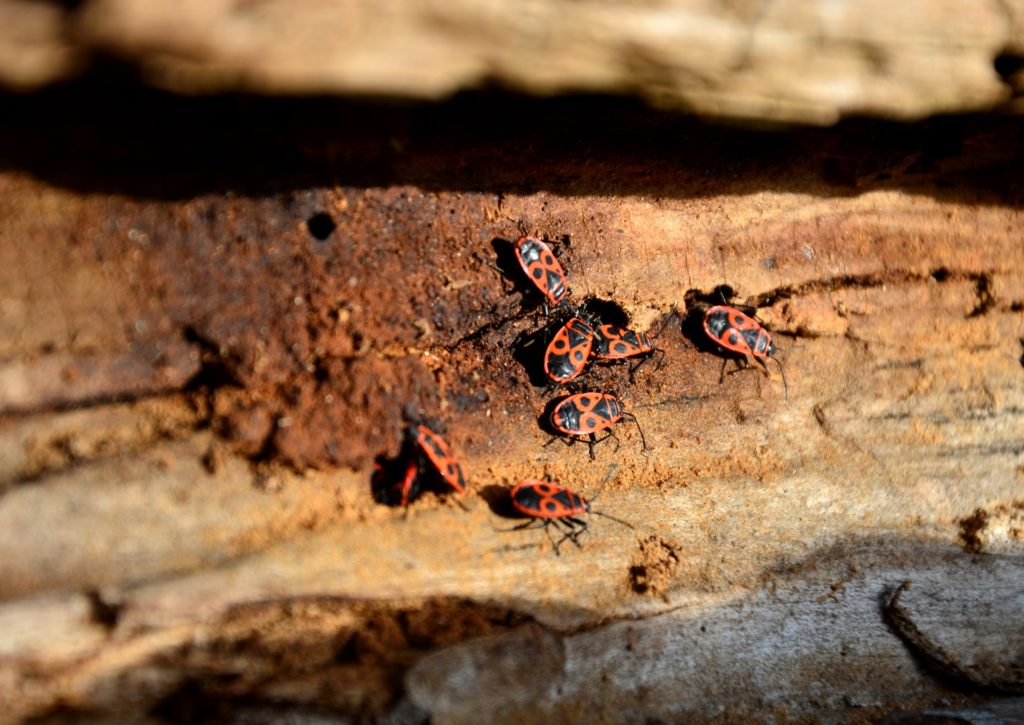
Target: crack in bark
999, 677
942, 275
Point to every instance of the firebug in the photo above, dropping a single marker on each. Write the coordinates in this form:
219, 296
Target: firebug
741, 334
568, 352
587, 414
540, 265
548, 503
424, 461
440, 456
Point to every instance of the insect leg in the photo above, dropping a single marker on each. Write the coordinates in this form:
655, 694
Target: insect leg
782, 370
579, 528
570, 534
532, 523
565, 440
661, 359
634, 368
741, 364
643, 438
594, 440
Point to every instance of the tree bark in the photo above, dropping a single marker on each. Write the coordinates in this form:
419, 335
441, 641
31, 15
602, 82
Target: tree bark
213, 323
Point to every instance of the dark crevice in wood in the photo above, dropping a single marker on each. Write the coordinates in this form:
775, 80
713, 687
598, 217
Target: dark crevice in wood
941, 275
102, 610
998, 678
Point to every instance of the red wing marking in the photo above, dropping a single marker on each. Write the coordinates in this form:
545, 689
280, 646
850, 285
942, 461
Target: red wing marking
542, 268
566, 356
616, 343
544, 500
441, 457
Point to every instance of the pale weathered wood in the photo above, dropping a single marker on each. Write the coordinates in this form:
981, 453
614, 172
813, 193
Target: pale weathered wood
789, 60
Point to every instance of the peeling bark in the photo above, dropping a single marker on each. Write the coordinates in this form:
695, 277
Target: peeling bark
186, 517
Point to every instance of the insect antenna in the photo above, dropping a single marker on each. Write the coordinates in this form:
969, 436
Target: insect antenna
613, 518
785, 385
601, 513
531, 524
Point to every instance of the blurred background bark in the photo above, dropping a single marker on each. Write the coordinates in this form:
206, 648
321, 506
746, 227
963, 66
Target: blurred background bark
240, 239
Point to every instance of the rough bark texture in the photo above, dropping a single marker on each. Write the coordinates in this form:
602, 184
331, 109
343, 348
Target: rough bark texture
785, 60
216, 313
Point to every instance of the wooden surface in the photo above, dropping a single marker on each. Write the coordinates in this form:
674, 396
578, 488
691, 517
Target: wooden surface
194, 388
783, 61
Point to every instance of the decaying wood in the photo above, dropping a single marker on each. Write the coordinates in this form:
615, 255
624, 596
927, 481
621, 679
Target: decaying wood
195, 387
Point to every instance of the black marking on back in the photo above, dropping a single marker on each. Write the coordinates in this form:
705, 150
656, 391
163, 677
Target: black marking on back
751, 337
457, 473
556, 284
603, 340
607, 408
760, 346
568, 415
568, 499
528, 498
429, 439
561, 367
579, 332
717, 322
530, 251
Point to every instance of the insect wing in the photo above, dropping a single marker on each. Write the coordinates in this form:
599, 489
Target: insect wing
441, 457
718, 324
544, 500
540, 265
616, 343
567, 354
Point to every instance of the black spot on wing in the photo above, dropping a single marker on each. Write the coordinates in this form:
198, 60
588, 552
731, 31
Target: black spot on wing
751, 337
527, 498
565, 498
560, 367
433, 446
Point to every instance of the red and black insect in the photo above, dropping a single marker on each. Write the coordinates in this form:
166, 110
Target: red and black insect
400, 492
568, 351
587, 414
428, 461
613, 343
548, 503
440, 457
540, 265
741, 334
